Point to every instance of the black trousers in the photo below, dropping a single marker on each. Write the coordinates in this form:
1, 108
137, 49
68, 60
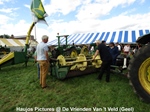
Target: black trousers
105, 67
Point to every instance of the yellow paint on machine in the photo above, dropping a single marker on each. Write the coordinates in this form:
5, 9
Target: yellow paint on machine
7, 57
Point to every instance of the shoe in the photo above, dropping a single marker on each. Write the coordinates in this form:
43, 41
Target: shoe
44, 87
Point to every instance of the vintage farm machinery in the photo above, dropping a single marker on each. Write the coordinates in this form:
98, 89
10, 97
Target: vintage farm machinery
64, 67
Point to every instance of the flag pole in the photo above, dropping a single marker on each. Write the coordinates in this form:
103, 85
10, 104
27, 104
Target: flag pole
35, 24
35, 32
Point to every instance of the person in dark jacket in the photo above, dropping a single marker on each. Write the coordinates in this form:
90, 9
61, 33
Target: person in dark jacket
106, 58
114, 52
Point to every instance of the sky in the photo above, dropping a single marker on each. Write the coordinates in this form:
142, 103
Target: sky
74, 16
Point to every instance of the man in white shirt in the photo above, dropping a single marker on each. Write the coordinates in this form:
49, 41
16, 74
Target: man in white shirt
43, 59
126, 49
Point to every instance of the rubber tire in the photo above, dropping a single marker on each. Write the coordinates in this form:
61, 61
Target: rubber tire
133, 68
71, 50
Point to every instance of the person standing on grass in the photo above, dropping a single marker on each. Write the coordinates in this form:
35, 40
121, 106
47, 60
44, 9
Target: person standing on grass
43, 60
114, 52
106, 60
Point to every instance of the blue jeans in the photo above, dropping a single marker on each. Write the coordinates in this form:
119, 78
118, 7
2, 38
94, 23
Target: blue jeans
38, 70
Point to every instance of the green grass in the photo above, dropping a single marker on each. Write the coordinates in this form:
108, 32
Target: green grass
19, 87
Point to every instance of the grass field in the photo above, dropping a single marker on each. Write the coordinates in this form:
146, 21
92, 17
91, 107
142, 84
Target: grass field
19, 88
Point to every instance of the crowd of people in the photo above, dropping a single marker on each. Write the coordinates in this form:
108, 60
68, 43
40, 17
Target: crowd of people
110, 53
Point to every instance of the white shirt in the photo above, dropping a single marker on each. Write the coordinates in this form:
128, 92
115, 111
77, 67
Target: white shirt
41, 48
126, 48
119, 47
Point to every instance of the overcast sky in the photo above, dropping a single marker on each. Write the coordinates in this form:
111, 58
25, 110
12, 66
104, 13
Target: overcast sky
75, 16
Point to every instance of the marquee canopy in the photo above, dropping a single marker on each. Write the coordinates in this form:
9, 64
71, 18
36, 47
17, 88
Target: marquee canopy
15, 42
114, 36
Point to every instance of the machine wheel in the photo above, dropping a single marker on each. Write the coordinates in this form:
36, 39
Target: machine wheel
81, 65
84, 50
97, 62
139, 73
62, 60
73, 53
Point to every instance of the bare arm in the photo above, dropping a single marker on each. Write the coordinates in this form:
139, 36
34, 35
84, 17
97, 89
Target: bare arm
47, 57
96, 53
35, 56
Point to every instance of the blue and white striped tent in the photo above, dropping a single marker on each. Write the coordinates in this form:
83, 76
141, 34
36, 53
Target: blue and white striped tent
115, 36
